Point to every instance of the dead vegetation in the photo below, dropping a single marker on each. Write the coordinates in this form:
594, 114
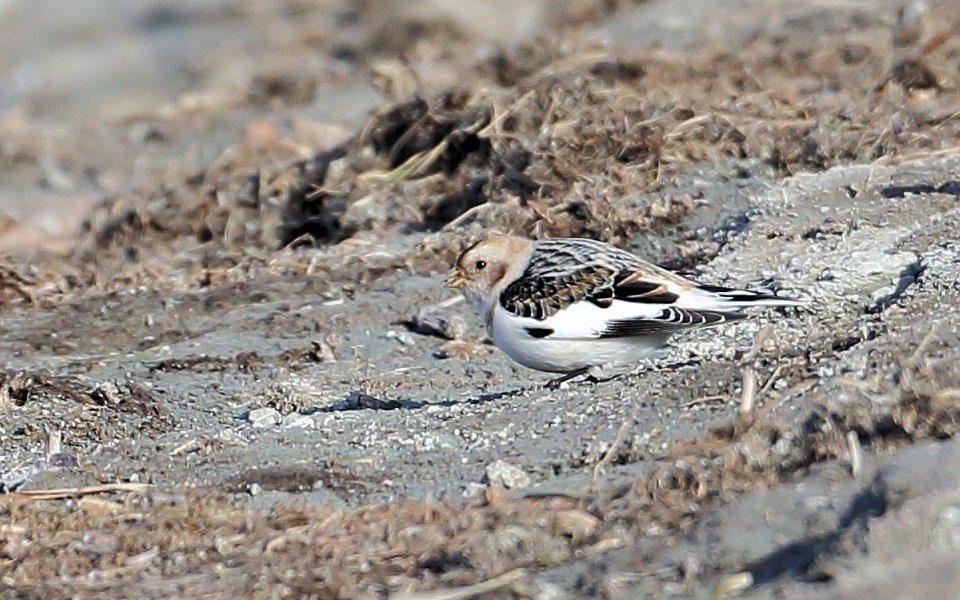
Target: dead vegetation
547, 139
91, 412
200, 542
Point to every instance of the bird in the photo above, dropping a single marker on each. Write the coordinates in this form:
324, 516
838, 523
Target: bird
579, 306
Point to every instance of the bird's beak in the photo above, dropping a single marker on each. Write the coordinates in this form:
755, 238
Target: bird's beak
455, 279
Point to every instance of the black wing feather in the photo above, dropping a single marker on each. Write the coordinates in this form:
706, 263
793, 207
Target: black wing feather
668, 320
639, 290
539, 297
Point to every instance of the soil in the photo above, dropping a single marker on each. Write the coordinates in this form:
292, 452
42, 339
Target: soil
230, 367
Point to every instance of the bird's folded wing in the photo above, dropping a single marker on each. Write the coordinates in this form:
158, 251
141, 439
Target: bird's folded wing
539, 296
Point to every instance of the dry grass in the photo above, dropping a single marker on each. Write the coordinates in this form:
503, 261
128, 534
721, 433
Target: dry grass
546, 140
199, 542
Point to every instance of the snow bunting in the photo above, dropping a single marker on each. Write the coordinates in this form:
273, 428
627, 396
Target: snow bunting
574, 306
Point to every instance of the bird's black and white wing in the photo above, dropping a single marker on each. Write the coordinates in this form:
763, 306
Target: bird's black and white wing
581, 288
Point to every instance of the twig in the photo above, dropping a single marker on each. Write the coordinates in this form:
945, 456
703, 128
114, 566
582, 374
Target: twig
762, 334
732, 585
799, 388
921, 348
914, 156
492, 128
749, 393
703, 400
450, 301
856, 454
461, 593
748, 397
945, 397
605, 544
62, 493
54, 442
467, 214
617, 440
770, 381
191, 445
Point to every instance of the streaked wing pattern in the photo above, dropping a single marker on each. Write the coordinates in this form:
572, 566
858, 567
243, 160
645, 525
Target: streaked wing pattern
669, 320
562, 272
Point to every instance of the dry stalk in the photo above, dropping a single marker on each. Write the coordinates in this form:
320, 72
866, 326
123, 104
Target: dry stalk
54, 442
617, 440
468, 591
748, 397
745, 414
64, 493
856, 454
704, 400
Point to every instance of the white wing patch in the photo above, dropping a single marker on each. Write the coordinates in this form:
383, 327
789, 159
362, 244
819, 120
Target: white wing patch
585, 320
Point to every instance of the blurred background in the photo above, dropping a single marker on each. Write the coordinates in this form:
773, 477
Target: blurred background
99, 97
110, 105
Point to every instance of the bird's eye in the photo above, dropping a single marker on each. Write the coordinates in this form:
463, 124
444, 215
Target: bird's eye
481, 265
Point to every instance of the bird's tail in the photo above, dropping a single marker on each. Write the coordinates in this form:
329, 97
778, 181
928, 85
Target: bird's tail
734, 298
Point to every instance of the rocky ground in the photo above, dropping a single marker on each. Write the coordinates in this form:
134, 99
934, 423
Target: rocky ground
230, 368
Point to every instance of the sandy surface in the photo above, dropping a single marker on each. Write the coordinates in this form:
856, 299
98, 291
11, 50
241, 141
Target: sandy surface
221, 219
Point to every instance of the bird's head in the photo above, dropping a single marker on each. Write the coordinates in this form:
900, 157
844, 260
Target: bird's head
486, 267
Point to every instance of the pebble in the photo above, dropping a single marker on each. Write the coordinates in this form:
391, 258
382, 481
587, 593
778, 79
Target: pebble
264, 417
436, 321
576, 524
949, 527
474, 490
950, 515
298, 420
403, 338
884, 294
109, 392
509, 476
435, 441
